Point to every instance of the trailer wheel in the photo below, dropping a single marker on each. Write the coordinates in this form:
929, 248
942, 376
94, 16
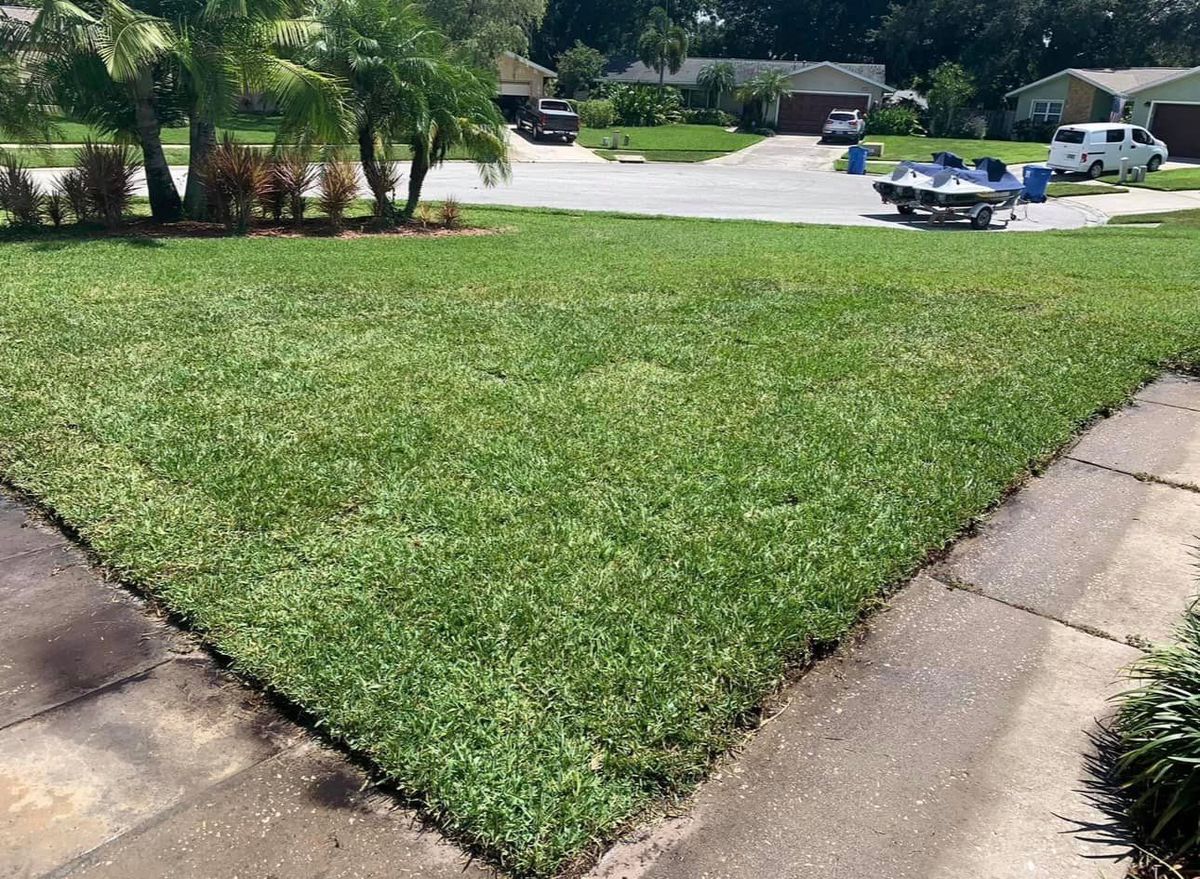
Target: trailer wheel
982, 218
906, 209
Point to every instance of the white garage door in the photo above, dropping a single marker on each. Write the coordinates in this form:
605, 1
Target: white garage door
515, 88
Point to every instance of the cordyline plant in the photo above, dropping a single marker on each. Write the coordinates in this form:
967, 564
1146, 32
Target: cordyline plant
1158, 733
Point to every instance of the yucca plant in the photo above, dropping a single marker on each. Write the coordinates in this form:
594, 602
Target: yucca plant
339, 188
55, 207
74, 191
1157, 729
20, 196
236, 178
383, 177
290, 176
450, 214
107, 173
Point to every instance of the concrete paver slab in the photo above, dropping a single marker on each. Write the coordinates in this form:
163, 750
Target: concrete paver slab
75, 777
303, 814
1173, 390
1147, 438
1090, 547
64, 634
943, 747
20, 534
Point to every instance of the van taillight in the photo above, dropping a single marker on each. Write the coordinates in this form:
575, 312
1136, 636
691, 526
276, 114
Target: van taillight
1083, 158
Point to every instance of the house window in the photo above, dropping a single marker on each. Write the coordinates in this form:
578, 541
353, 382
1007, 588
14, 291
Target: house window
1048, 112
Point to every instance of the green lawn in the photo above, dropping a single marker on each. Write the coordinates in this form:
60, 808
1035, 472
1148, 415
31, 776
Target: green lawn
1075, 190
58, 157
663, 139
922, 149
247, 128
872, 167
1172, 181
662, 155
1181, 219
540, 543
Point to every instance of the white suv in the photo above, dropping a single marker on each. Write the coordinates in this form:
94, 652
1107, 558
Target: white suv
1094, 148
844, 125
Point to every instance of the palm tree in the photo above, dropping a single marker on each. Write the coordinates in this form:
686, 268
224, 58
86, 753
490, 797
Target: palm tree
387, 55
761, 91
129, 71
717, 79
663, 45
458, 112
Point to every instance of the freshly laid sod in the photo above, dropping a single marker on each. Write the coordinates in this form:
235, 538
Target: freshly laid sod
247, 128
1175, 180
899, 147
540, 542
670, 138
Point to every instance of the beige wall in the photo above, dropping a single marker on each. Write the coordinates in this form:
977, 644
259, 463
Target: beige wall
514, 71
1185, 90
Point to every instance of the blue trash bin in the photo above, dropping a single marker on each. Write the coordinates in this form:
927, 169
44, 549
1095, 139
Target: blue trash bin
858, 160
1036, 178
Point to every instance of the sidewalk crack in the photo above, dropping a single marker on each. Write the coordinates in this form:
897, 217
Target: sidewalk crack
964, 586
1149, 478
1168, 405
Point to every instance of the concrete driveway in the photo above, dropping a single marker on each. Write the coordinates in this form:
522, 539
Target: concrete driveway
699, 190
523, 148
786, 152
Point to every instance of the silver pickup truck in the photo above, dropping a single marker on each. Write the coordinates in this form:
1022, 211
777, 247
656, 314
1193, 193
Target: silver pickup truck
549, 117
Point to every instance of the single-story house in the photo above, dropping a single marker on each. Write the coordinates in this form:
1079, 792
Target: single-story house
1166, 100
815, 87
521, 79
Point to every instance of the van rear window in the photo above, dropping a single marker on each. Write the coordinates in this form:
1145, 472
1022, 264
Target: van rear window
1068, 135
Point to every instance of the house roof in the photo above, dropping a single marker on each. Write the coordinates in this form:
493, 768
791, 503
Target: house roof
1115, 81
627, 70
26, 14
539, 68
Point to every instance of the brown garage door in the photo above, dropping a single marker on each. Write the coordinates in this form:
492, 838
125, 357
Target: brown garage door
805, 112
1179, 126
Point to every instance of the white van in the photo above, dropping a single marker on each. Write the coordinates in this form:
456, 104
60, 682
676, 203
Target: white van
1096, 147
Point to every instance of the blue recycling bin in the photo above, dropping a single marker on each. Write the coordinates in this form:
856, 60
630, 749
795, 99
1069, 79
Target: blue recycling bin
1036, 178
858, 160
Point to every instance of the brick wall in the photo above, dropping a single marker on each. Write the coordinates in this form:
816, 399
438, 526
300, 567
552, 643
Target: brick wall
1080, 99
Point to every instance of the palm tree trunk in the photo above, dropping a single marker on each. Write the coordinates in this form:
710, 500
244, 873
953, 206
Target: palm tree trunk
202, 140
165, 205
416, 178
384, 208
662, 73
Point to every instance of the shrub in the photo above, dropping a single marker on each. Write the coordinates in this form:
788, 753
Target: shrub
383, 176
710, 116
972, 125
338, 189
894, 120
596, 114
75, 192
1028, 129
237, 180
645, 105
20, 196
289, 176
1157, 732
450, 214
56, 209
107, 174
579, 69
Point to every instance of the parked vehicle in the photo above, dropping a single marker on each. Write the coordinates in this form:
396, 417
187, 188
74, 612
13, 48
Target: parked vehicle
947, 190
1096, 148
847, 125
543, 117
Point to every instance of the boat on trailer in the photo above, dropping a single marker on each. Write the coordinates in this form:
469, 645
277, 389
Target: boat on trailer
946, 189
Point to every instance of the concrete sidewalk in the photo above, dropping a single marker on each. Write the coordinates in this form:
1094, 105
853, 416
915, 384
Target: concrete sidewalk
953, 742
125, 752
